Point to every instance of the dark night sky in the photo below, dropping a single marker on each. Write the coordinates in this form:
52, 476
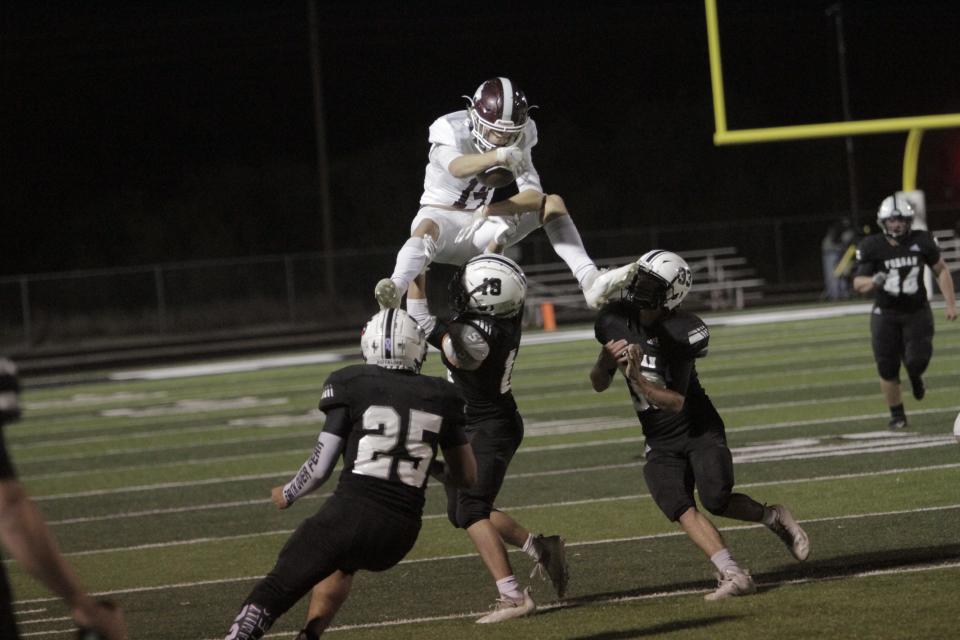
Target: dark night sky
141, 132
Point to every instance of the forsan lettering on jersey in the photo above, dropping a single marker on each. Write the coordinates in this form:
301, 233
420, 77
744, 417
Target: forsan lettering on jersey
902, 261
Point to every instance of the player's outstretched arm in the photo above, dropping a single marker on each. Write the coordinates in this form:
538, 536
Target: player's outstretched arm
318, 467
25, 535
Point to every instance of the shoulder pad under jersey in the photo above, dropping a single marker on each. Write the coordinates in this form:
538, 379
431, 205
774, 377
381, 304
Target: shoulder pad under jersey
448, 129
613, 323
687, 333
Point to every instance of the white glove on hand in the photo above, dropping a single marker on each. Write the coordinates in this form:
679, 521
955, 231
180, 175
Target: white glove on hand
510, 157
479, 217
879, 278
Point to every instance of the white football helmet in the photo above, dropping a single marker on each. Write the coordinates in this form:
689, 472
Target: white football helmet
663, 280
895, 207
489, 284
393, 340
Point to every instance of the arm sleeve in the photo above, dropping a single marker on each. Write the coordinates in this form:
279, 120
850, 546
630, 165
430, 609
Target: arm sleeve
318, 467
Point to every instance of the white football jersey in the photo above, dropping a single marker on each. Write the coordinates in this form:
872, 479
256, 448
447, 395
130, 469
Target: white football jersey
450, 138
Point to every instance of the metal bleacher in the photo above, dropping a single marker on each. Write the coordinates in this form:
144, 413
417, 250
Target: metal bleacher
949, 248
722, 279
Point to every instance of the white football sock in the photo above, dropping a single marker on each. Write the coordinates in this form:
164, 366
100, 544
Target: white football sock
723, 561
411, 261
566, 242
509, 588
769, 516
529, 548
419, 310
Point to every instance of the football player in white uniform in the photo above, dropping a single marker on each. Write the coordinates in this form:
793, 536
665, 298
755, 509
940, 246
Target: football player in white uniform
470, 153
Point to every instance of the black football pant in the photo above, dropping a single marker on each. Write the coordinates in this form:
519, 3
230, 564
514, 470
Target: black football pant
901, 336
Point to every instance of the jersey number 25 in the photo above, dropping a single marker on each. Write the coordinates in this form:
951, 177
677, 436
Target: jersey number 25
392, 450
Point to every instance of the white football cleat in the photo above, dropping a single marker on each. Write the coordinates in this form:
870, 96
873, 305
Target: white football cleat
387, 294
508, 609
732, 582
606, 283
787, 529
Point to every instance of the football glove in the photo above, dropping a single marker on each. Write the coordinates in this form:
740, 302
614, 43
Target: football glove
510, 157
879, 278
479, 217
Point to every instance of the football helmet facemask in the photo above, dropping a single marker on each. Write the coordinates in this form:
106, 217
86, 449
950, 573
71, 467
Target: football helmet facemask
498, 113
891, 208
394, 340
489, 284
663, 280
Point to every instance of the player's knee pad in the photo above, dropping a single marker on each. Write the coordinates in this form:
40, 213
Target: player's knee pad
917, 358
888, 368
472, 510
716, 500
251, 623
452, 513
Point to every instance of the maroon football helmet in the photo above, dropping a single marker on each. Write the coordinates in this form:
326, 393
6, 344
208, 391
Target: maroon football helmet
498, 113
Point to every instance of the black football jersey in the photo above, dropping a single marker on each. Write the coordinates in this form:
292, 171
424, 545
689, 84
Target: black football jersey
670, 349
904, 289
487, 389
397, 419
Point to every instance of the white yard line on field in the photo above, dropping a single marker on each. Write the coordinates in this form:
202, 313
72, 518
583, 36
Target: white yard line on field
200, 583
755, 453
515, 508
575, 602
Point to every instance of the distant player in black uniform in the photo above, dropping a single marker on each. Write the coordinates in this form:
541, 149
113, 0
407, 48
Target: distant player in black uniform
901, 323
387, 421
479, 347
655, 345
26, 537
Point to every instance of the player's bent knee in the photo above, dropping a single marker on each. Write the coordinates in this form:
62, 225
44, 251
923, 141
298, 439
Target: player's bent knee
674, 513
471, 512
715, 502
553, 207
427, 228
889, 370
